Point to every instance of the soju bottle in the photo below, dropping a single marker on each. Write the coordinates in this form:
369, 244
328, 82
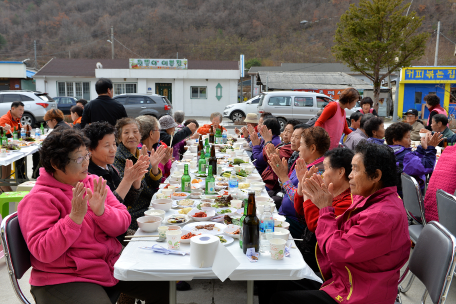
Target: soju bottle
241, 221
4, 139
1, 136
186, 185
15, 136
210, 182
207, 155
218, 137
42, 129
202, 164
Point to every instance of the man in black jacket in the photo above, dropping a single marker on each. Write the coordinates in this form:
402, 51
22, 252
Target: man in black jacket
103, 108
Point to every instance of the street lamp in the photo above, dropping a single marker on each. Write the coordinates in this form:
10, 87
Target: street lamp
304, 22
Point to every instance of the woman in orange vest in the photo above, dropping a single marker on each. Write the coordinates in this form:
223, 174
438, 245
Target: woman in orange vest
216, 119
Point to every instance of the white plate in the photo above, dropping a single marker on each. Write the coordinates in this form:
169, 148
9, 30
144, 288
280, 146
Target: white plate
187, 219
187, 241
228, 239
230, 228
233, 210
209, 215
218, 228
178, 198
176, 204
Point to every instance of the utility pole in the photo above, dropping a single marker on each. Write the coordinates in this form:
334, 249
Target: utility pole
437, 44
112, 41
34, 47
69, 54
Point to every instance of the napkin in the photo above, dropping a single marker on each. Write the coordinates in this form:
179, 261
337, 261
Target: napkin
159, 249
224, 263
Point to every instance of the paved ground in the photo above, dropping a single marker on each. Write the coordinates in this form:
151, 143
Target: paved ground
202, 290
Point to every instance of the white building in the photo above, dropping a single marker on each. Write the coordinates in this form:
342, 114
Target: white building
199, 88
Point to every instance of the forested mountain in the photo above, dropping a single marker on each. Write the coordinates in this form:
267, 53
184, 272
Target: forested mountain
197, 29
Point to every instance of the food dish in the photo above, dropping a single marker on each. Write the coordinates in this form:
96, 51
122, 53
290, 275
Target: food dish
201, 215
184, 203
177, 219
205, 228
179, 196
225, 239
233, 231
185, 238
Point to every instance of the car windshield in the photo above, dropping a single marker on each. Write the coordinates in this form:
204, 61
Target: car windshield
45, 97
261, 100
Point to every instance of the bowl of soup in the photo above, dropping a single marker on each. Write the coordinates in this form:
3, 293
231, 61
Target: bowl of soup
162, 204
149, 223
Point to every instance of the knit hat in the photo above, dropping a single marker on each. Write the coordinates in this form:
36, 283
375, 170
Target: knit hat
251, 118
167, 122
54, 114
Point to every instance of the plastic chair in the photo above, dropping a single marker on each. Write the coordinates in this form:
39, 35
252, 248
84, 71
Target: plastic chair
10, 197
446, 205
26, 186
18, 256
433, 261
414, 206
2, 253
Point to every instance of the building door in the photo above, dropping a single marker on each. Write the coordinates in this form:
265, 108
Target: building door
423, 90
164, 89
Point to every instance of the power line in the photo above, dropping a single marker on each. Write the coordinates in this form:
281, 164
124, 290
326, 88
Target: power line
76, 47
447, 38
127, 48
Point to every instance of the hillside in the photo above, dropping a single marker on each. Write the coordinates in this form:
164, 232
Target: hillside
195, 29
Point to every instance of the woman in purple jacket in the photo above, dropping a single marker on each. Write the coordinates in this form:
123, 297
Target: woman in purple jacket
361, 252
270, 131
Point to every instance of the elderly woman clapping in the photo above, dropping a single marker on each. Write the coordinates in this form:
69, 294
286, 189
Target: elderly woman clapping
129, 137
70, 221
361, 252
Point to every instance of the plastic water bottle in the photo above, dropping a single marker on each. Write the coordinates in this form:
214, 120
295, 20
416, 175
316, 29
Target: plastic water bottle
224, 137
37, 133
266, 228
23, 133
233, 183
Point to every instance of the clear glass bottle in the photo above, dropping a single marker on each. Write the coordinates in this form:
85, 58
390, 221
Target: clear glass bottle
266, 228
23, 133
186, 181
233, 183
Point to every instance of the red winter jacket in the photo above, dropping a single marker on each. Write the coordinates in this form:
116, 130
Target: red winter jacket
361, 252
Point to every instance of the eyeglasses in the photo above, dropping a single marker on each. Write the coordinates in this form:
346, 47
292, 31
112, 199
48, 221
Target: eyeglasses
79, 160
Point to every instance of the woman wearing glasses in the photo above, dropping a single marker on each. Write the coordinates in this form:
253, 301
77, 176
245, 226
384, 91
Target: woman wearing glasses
70, 221
129, 137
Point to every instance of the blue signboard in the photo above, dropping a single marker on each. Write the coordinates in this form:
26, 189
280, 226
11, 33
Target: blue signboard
437, 74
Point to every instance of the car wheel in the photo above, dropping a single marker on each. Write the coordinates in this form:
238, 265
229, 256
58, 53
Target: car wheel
28, 119
283, 123
237, 116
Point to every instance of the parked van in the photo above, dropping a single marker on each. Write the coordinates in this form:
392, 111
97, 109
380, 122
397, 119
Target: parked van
298, 105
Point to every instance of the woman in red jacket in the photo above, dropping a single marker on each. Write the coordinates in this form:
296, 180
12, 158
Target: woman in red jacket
361, 252
337, 166
333, 118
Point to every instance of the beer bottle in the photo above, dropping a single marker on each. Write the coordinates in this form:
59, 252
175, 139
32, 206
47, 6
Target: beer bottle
213, 160
212, 136
251, 226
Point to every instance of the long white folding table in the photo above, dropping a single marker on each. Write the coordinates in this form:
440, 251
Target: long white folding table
137, 264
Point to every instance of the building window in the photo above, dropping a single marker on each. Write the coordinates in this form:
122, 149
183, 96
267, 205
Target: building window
198, 92
124, 88
74, 89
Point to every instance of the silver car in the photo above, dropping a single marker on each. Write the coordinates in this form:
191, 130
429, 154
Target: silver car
36, 104
145, 104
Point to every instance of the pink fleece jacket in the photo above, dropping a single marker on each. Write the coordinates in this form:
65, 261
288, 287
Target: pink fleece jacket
63, 251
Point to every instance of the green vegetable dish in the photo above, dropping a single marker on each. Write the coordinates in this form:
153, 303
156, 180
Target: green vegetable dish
222, 239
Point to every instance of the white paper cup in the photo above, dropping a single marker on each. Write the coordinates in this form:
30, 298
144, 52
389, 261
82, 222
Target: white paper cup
173, 238
236, 204
180, 166
173, 188
246, 159
193, 164
277, 248
167, 192
162, 231
257, 190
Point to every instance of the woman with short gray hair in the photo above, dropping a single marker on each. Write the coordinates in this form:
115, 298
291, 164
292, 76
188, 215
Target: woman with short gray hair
179, 117
216, 120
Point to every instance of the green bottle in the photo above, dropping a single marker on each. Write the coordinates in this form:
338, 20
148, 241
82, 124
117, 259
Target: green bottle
210, 182
15, 136
186, 185
1, 136
241, 221
4, 139
42, 129
202, 164
218, 137
207, 155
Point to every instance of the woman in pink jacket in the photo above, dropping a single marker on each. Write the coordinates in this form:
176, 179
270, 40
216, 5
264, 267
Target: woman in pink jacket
361, 252
70, 221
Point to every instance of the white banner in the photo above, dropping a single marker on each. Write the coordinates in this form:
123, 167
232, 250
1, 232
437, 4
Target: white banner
169, 64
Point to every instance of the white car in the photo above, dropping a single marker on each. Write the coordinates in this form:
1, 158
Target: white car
238, 111
36, 104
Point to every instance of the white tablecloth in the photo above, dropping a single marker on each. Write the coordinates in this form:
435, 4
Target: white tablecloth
14, 156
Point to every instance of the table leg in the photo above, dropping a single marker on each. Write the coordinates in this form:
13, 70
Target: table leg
249, 292
172, 292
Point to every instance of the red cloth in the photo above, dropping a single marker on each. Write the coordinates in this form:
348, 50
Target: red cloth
269, 177
311, 213
8, 119
329, 112
360, 253
205, 129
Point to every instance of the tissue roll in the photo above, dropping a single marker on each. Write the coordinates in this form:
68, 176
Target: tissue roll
203, 249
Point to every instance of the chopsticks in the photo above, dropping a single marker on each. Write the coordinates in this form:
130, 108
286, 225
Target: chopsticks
140, 236
139, 240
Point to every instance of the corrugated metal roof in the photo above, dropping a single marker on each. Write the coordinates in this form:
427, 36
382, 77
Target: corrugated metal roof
86, 67
314, 80
308, 67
